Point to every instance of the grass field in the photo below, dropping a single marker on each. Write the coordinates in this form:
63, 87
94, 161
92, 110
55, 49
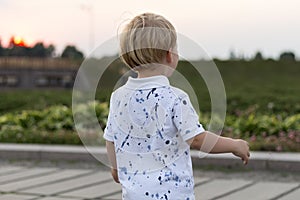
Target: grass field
274, 87
270, 86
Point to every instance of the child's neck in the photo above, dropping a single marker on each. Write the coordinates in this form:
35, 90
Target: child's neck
148, 74
159, 70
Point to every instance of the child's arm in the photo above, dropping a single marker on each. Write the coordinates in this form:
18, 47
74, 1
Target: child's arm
112, 159
218, 144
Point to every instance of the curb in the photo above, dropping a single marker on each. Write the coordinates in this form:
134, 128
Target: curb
42, 152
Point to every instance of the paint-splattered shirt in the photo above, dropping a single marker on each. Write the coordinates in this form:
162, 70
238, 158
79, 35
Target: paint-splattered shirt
149, 122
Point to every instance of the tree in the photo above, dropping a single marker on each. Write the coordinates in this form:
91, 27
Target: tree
258, 56
18, 51
1, 49
287, 56
71, 52
50, 51
38, 50
232, 55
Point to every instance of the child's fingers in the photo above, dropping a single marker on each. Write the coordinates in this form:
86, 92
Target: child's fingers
246, 159
245, 162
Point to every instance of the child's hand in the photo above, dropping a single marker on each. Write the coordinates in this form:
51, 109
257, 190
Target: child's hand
241, 150
114, 173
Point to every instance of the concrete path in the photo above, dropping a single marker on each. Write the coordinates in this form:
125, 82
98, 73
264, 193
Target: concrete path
21, 182
57, 172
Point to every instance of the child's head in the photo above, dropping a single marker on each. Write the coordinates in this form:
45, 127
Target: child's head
147, 39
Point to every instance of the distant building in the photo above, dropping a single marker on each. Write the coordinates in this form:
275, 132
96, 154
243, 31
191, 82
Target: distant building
25, 72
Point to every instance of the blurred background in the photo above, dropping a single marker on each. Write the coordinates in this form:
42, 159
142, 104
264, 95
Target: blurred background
255, 45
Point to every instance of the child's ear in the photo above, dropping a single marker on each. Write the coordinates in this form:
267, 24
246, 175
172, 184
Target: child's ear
169, 56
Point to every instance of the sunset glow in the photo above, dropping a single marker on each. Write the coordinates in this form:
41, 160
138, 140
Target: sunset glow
221, 27
19, 41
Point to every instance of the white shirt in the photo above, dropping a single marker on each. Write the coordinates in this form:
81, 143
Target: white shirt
149, 122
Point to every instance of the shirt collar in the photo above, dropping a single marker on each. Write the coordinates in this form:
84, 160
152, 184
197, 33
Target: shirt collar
147, 83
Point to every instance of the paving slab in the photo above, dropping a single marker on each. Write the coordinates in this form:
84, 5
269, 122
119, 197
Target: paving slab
71, 184
116, 196
292, 195
40, 180
27, 173
95, 191
34, 182
16, 197
4, 170
54, 198
201, 180
261, 191
218, 187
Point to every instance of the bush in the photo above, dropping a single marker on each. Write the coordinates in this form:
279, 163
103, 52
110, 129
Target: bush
265, 132
53, 125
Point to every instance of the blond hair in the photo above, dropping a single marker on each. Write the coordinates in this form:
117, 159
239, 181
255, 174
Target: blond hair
146, 39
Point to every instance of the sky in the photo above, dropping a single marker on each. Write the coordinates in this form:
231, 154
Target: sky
218, 26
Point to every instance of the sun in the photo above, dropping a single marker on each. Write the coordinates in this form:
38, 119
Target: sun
18, 41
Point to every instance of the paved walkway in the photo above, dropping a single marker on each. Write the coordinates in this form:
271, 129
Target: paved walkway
21, 182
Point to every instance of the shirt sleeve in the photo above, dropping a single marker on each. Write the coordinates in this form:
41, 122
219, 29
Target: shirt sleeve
108, 131
186, 119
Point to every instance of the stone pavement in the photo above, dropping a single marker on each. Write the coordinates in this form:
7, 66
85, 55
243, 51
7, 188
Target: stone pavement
33, 181
58, 172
